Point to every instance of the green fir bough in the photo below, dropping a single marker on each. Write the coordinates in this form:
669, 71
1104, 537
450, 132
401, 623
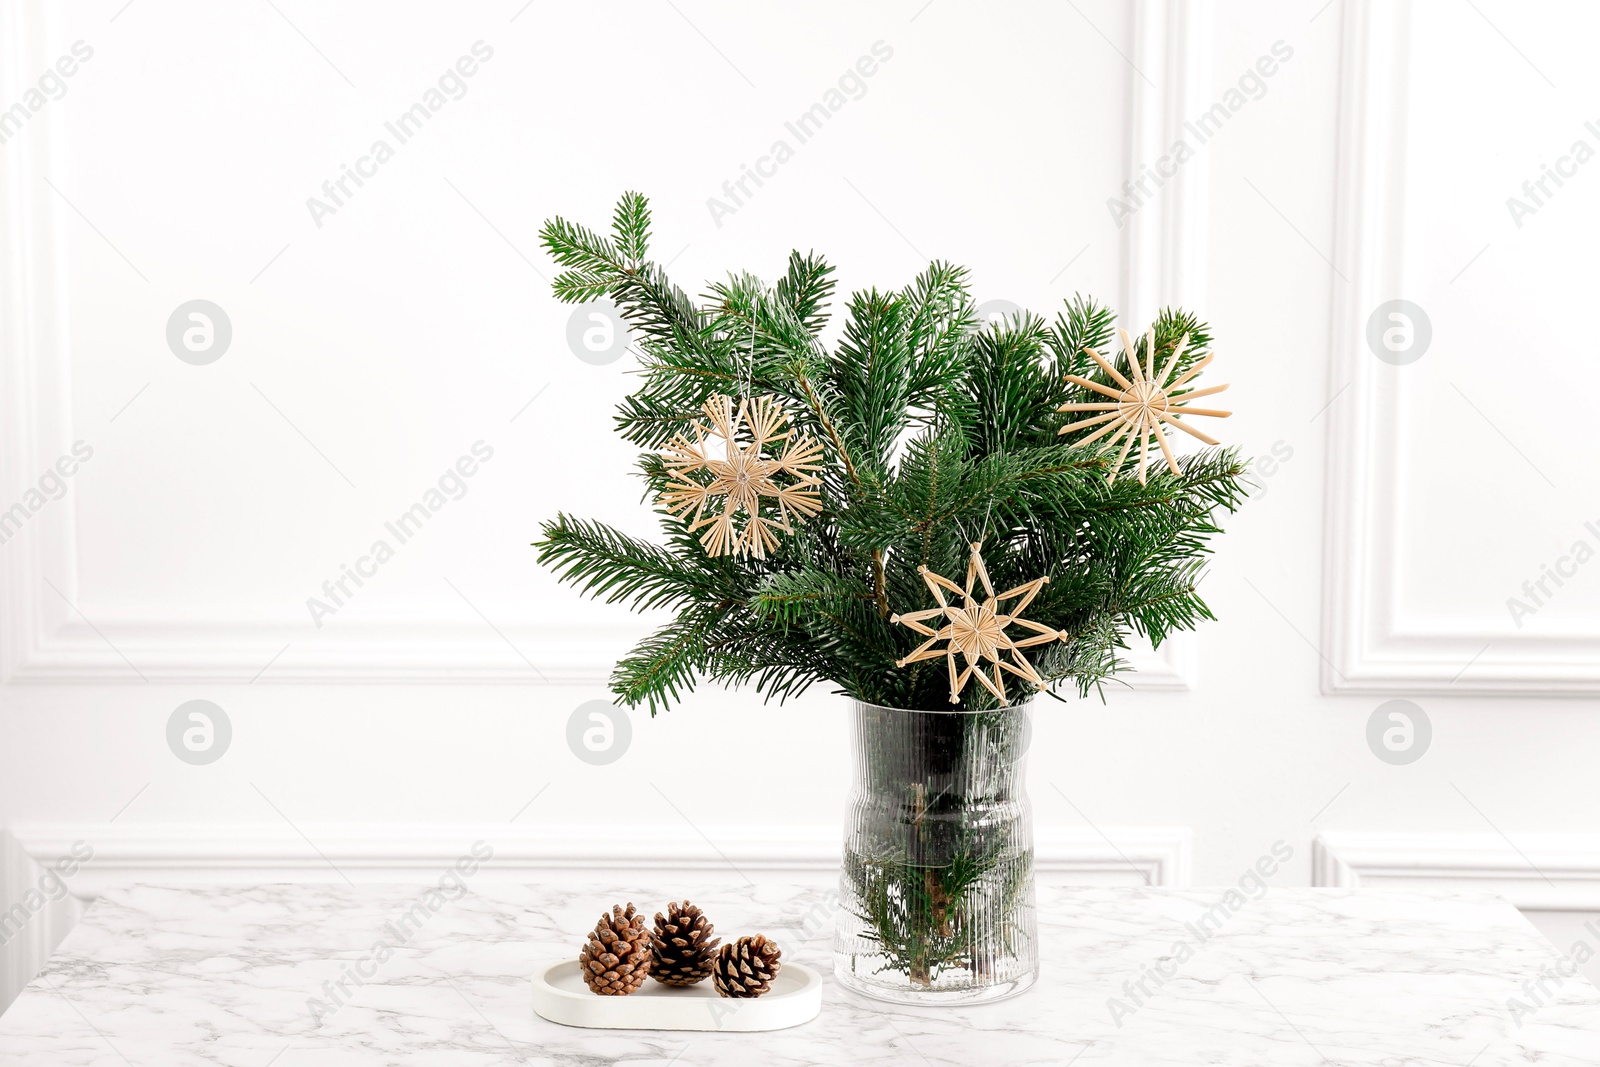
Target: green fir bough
937, 431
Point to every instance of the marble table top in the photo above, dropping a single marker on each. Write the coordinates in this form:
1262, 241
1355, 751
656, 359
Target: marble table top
302, 975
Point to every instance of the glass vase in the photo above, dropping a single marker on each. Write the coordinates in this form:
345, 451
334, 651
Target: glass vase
937, 886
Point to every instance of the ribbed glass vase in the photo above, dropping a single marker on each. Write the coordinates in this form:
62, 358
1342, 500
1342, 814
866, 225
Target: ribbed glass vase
937, 886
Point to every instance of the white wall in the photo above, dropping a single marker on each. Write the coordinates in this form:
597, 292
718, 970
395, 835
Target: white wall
372, 351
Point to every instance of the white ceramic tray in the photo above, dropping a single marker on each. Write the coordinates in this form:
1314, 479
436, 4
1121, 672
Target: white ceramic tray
560, 996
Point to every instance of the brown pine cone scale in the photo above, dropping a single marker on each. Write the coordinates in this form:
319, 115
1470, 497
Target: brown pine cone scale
616, 958
746, 967
682, 948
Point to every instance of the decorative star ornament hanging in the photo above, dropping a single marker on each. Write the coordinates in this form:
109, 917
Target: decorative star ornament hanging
976, 630
1142, 405
733, 450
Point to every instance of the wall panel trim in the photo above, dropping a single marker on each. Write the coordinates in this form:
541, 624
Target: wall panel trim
225, 853
1552, 872
43, 638
1366, 647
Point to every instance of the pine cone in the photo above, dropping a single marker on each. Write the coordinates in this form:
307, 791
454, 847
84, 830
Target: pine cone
683, 948
616, 958
746, 967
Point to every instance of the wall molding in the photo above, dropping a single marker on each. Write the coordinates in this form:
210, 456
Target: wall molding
1552, 872
1163, 243
1164, 246
1368, 647
226, 853
44, 639
527, 653
232, 651
35, 423
28, 937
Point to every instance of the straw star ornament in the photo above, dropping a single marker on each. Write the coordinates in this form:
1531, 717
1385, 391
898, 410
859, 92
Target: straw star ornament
733, 450
1140, 407
976, 630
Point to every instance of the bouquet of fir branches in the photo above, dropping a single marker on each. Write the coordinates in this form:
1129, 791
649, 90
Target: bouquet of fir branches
879, 455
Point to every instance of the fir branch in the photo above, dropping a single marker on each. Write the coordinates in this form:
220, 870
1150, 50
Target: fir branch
936, 432
785, 597
806, 287
605, 563
664, 665
631, 227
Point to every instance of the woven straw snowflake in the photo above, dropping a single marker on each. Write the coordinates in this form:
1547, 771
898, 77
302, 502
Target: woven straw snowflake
977, 630
733, 451
1142, 405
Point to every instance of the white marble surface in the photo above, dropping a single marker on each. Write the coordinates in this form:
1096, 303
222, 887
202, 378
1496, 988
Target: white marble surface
174, 977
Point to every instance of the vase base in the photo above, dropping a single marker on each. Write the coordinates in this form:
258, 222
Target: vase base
895, 994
